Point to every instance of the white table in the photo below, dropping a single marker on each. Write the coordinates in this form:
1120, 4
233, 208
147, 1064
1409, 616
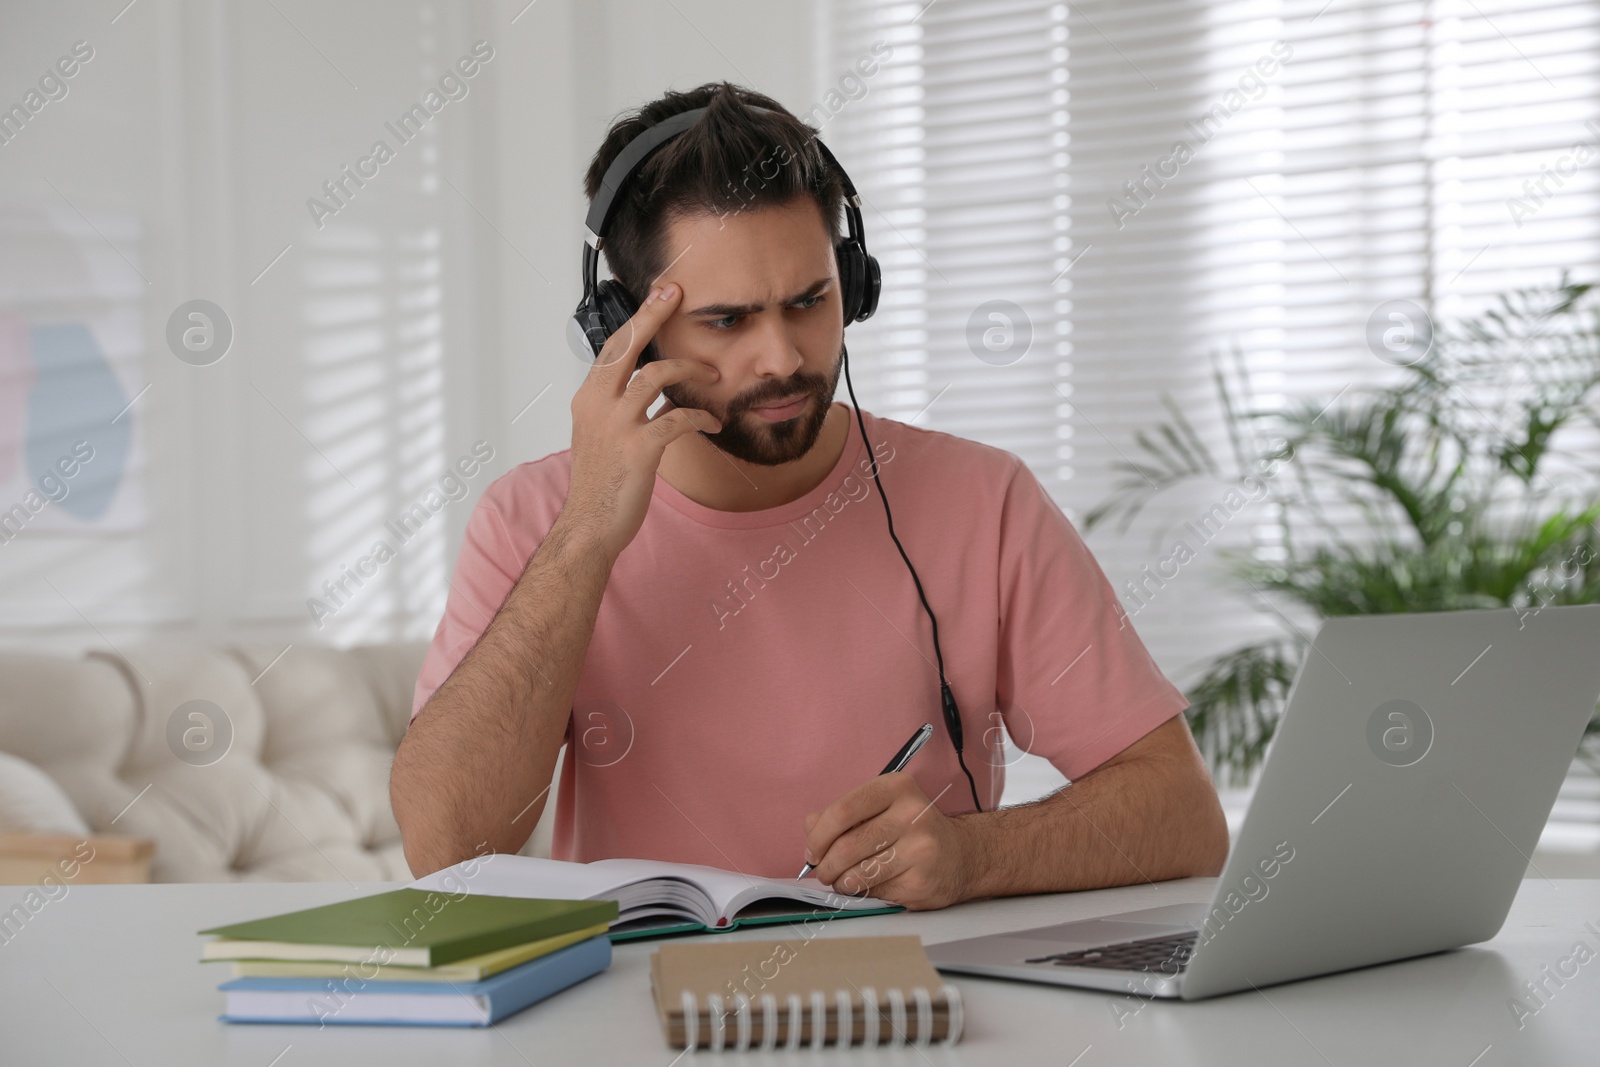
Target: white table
108, 975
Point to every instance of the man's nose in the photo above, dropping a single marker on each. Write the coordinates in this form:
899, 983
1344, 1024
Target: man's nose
777, 353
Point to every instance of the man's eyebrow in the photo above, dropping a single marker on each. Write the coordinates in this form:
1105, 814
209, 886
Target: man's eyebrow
722, 310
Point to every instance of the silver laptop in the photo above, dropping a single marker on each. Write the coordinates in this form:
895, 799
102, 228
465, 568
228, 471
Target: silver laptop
1397, 812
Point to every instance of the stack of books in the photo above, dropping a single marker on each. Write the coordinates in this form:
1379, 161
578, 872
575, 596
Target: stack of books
410, 957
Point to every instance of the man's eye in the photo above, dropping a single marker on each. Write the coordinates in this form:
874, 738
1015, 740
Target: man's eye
728, 322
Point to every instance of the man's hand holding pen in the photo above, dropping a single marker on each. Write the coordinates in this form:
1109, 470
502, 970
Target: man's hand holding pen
886, 839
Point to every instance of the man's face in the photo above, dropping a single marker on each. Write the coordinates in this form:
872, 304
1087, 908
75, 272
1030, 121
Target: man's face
761, 304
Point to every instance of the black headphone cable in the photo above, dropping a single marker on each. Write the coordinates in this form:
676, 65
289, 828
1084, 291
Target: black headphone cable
952, 713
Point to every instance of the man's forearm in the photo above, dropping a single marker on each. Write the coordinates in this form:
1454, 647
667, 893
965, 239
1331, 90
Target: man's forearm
474, 769
1114, 826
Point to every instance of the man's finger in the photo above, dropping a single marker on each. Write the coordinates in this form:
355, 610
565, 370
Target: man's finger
888, 889
647, 386
620, 357
671, 425
856, 806
869, 873
857, 845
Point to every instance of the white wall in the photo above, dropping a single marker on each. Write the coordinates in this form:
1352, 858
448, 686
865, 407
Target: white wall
420, 318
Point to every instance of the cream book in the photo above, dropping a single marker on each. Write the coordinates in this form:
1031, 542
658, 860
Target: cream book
654, 897
471, 969
803, 993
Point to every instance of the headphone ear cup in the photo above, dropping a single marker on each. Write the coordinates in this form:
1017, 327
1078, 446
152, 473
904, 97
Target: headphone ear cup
848, 256
871, 285
585, 331
616, 306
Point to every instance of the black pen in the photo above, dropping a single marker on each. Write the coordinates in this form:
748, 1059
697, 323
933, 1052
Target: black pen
899, 762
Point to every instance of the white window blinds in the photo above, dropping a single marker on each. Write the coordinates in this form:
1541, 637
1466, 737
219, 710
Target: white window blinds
1154, 184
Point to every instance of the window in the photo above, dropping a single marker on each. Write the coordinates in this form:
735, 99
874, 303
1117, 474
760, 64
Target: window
1121, 191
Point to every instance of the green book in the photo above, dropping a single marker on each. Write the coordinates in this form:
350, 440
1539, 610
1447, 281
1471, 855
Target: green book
406, 927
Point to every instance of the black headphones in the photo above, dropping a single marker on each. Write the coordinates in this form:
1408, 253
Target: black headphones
606, 308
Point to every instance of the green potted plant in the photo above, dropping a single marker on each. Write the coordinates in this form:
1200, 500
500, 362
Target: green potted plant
1455, 485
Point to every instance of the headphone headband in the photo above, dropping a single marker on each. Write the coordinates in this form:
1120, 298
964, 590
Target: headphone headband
608, 197
632, 154
606, 306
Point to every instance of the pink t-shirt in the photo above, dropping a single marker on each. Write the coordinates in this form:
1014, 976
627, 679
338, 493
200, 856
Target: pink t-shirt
749, 667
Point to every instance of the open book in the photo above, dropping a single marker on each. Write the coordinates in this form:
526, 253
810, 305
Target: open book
655, 897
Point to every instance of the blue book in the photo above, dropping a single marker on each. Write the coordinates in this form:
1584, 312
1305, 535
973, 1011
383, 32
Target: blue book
355, 1000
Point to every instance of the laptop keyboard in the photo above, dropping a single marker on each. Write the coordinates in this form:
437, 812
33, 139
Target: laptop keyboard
1169, 955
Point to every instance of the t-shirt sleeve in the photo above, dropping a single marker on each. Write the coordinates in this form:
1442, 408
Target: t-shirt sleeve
486, 569
1074, 683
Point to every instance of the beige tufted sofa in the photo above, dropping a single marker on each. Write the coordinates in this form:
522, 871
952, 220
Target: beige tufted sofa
110, 743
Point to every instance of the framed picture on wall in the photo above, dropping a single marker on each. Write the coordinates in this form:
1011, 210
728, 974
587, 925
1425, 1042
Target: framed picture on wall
71, 349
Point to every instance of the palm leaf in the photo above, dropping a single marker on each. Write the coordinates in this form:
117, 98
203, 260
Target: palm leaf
1445, 470
1235, 705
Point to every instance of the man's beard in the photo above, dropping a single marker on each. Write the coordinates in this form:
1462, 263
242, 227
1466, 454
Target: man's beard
747, 436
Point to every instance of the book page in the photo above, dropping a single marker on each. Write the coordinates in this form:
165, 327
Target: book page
809, 894
634, 885
700, 894
730, 892
500, 875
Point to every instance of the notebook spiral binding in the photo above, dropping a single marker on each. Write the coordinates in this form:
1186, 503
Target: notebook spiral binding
741, 1012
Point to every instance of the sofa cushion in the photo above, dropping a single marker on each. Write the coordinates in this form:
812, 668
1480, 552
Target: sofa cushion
74, 719
32, 803
253, 762
256, 762
327, 734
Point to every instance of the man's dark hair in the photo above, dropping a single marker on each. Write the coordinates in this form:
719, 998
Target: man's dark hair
733, 159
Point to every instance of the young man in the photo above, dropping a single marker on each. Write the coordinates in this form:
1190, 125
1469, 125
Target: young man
706, 608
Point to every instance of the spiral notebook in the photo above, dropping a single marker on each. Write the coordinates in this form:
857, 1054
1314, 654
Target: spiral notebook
803, 993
